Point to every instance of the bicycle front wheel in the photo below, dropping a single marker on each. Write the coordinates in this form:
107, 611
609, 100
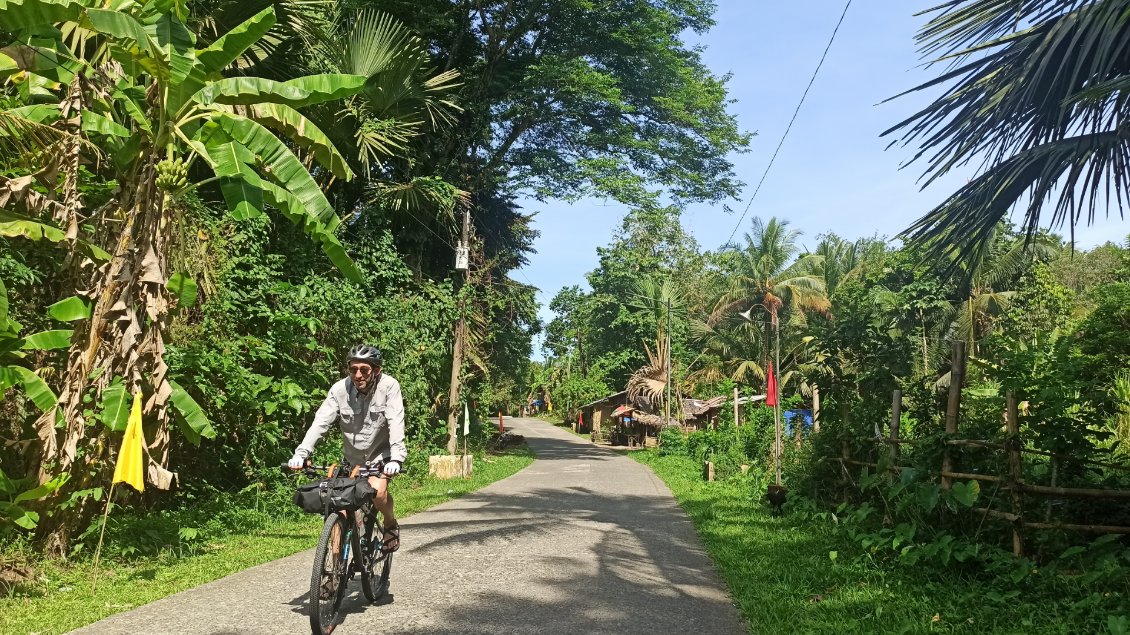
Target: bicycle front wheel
327, 581
377, 567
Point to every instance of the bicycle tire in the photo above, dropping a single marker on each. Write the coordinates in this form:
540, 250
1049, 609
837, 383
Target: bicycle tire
373, 584
328, 578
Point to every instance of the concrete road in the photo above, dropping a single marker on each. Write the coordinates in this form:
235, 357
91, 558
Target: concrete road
581, 541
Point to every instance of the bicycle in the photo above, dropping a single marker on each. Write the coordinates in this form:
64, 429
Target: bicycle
344, 535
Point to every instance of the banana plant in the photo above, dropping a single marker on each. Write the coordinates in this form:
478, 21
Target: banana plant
146, 108
14, 350
19, 493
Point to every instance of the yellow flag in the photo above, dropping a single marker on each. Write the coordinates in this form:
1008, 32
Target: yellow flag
131, 459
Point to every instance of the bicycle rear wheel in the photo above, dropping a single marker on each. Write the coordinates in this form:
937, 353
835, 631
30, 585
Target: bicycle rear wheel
328, 579
378, 566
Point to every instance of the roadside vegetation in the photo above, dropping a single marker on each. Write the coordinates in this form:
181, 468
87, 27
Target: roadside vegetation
997, 345
212, 535
208, 202
805, 571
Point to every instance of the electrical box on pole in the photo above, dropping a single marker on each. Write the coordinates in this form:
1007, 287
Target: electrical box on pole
462, 256
463, 249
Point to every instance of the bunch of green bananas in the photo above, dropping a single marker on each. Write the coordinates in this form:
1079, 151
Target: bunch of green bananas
172, 174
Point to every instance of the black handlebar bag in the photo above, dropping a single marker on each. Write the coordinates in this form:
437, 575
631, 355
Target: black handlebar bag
334, 494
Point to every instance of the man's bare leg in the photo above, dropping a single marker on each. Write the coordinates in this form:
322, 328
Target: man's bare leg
383, 502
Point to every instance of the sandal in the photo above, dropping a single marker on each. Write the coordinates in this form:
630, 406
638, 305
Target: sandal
391, 540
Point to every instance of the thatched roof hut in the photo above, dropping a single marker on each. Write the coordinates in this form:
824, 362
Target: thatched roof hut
599, 412
695, 409
650, 420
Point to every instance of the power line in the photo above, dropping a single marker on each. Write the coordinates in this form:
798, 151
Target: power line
790, 126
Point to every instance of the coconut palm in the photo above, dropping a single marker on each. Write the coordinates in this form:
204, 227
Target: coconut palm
988, 292
1037, 89
844, 259
663, 301
763, 278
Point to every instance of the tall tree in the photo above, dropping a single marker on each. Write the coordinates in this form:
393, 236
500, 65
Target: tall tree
650, 242
568, 99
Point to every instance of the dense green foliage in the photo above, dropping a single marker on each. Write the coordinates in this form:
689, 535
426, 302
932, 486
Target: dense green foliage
151, 154
858, 321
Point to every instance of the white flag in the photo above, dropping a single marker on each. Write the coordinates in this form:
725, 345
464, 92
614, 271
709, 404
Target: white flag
466, 420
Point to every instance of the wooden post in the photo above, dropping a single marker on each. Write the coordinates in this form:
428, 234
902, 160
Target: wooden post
1048, 505
845, 454
457, 352
896, 418
736, 424
708, 470
953, 405
1015, 473
815, 409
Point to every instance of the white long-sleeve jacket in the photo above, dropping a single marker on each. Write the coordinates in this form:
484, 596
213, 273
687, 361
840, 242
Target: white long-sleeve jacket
372, 426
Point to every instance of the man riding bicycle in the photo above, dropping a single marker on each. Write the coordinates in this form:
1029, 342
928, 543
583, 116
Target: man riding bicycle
369, 409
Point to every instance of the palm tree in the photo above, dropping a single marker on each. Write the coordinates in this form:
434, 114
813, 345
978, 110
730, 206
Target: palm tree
843, 260
662, 300
763, 277
986, 289
404, 98
1038, 91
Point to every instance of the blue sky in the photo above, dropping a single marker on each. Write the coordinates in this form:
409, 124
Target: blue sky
833, 172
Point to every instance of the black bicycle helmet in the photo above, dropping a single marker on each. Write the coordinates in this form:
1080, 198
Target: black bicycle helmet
365, 353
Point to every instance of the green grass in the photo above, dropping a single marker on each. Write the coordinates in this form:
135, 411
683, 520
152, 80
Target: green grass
60, 597
792, 575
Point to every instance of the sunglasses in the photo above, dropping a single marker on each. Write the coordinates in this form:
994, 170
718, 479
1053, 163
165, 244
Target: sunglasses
363, 370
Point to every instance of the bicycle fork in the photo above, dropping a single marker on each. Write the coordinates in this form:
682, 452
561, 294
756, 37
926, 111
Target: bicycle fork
352, 545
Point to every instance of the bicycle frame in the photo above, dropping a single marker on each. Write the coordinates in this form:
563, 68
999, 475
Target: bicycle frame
347, 554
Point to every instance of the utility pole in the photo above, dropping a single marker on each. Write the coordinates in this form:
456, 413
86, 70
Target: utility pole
777, 398
462, 263
581, 353
668, 373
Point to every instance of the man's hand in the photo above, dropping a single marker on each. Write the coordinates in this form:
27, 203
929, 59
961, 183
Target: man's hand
392, 468
296, 462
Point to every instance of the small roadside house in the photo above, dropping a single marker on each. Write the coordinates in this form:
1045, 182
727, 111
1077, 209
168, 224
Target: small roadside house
599, 413
702, 413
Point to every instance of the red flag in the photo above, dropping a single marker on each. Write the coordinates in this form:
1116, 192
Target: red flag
771, 388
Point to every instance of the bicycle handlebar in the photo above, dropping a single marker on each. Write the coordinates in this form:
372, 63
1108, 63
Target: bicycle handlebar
316, 470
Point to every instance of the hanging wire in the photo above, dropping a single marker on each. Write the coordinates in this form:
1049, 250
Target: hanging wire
790, 126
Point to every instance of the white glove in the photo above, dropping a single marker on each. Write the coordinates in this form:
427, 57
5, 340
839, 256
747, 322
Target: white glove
392, 468
296, 462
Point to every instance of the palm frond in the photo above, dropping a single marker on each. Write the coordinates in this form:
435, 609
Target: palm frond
22, 132
403, 98
1045, 108
430, 195
1020, 255
1078, 173
647, 384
